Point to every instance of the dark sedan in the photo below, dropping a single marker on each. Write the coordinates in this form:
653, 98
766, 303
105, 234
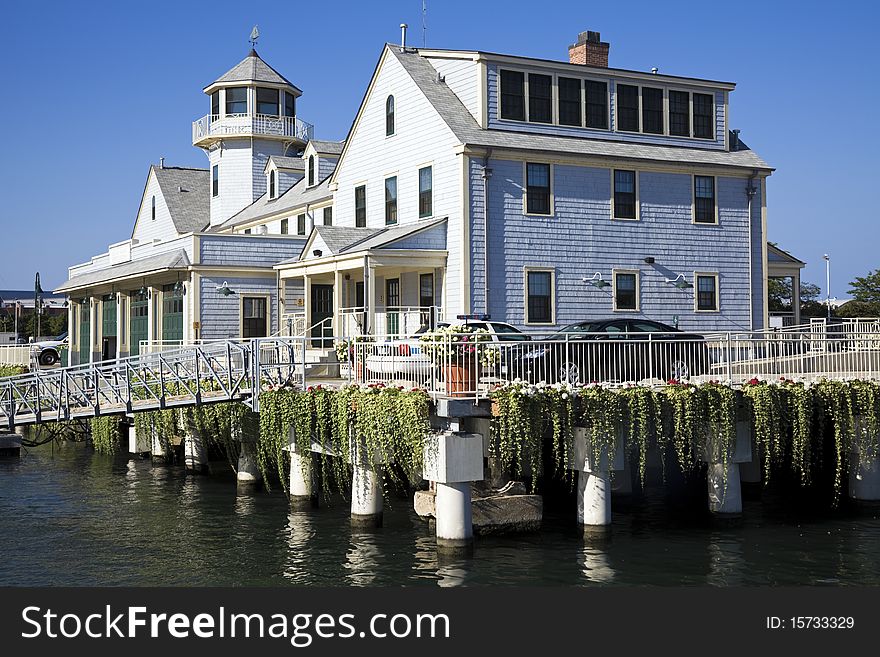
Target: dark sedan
614, 350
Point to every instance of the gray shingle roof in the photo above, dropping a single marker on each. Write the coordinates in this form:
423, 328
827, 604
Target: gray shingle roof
327, 147
337, 238
294, 197
775, 254
253, 69
468, 131
284, 162
171, 260
387, 235
186, 191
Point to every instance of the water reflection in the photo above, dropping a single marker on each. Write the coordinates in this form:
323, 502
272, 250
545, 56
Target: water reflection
362, 559
300, 534
727, 566
596, 567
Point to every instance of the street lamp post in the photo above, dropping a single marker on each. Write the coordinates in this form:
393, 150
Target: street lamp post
828, 284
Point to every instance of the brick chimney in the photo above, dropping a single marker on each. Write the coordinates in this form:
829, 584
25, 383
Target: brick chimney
589, 50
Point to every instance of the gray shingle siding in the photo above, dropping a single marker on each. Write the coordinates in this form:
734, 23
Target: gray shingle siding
220, 316
581, 239
248, 251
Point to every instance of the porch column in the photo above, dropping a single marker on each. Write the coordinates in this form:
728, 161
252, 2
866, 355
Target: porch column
72, 331
152, 314
187, 312
370, 297
307, 300
94, 318
796, 298
122, 337
337, 303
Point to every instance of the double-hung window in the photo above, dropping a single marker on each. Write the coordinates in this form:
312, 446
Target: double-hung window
513, 104
300, 224
540, 98
627, 108
597, 104
426, 192
652, 110
360, 206
704, 200
539, 297
284, 226
625, 195
328, 216
707, 292
253, 317
626, 290
569, 101
538, 189
391, 200
679, 113
704, 116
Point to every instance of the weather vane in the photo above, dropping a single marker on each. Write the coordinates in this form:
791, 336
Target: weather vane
255, 34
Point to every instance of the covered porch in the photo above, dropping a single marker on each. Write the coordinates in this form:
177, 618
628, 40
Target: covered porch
392, 292
784, 266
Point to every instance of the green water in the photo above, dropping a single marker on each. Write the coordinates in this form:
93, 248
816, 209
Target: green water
69, 517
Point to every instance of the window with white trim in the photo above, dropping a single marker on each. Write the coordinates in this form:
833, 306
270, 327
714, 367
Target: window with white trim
706, 292
301, 224
215, 180
626, 290
426, 192
704, 116
625, 195
539, 296
389, 116
360, 206
328, 216
391, 200
704, 200
284, 226
540, 98
538, 188
627, 108
513, 105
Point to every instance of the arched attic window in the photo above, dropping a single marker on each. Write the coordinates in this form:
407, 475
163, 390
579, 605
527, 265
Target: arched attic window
271, 184
311, 180
389, 116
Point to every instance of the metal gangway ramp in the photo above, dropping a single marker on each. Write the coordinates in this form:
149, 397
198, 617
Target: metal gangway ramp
220, 371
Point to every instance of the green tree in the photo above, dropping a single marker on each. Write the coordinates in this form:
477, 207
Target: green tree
866, 288
779, 294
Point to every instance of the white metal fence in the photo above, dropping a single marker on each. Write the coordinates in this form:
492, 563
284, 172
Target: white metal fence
15, 355
458, 366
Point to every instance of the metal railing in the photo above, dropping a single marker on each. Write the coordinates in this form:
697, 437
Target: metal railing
230, 125
226, 370
457, 366
391, 320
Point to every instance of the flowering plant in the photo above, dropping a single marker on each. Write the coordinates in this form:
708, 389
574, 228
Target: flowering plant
459, 344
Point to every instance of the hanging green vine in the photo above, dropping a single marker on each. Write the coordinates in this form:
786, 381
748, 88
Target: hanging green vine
687, 408
106, 434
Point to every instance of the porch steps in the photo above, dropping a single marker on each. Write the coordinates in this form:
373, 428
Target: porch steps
321, 363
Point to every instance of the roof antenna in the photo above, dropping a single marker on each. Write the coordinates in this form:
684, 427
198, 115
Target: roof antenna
424, 23
255, 34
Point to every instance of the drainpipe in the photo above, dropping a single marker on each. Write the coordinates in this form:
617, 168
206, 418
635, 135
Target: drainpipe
486, 175
751, 190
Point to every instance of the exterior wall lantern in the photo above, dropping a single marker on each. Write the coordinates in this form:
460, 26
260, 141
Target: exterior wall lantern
225, 290
680, 282
597, 280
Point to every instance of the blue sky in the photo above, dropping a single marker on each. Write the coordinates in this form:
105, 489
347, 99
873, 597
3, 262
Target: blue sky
101, 90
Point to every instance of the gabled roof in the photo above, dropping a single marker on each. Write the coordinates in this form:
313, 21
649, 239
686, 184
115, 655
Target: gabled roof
348, 239
284, 162
252, 69
186, 192
298, 195
171, 260
468, 131
327, 147
775, 254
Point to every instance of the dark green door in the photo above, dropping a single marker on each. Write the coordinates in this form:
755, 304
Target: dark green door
108, 327
85, 332
172, 313
322, 309
392, 306
139, 328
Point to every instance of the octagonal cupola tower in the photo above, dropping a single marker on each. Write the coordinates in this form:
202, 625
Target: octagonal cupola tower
252, 117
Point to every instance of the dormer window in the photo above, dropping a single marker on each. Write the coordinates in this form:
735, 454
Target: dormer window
289, 104
703, 116
311, 172
271, 184
267, 101
236, 100
389, 116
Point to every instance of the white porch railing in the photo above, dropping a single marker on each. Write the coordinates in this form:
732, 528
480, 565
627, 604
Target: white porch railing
398, 321
19, 354
231, 125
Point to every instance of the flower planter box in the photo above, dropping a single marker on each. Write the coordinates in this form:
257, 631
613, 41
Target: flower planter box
461, 380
